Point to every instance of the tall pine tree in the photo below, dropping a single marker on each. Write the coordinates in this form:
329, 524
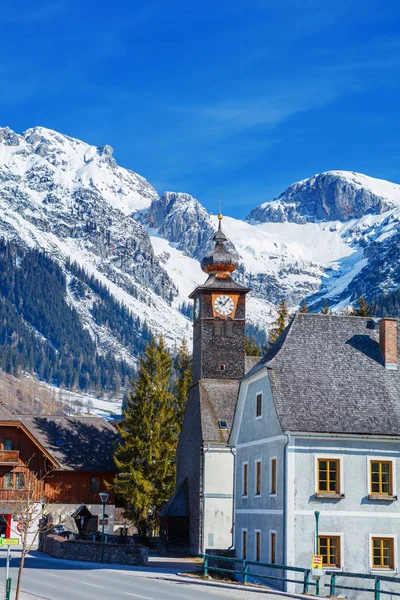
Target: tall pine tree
145, 458
280, 322
183, 370
251, 347
363, 309
325, 310
303, 307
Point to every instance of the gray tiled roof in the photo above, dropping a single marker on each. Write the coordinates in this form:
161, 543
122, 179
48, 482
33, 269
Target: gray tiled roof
327, 375
215, 283
217, 402
75, 443
88, 442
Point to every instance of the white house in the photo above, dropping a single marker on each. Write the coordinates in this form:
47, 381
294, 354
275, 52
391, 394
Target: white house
317, 429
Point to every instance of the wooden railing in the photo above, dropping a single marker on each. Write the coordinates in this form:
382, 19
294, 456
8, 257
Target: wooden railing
12, 495
9, 457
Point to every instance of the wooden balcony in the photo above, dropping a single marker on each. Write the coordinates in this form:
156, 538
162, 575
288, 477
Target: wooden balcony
10, 495
9, 458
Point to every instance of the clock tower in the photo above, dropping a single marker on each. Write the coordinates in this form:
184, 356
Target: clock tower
219, 317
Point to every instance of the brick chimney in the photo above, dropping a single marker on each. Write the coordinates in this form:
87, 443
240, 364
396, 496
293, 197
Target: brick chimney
388, 342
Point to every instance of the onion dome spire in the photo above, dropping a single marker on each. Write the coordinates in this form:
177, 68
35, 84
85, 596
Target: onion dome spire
219, 261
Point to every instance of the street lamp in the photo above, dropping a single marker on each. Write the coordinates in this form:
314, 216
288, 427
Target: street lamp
103, 497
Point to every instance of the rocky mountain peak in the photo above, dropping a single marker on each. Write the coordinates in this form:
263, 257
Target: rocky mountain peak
182, 220
330, 196
8, 137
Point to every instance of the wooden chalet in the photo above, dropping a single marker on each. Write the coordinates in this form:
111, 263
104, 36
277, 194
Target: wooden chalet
60, 461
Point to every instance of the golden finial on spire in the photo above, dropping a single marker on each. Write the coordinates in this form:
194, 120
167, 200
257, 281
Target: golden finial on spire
220, 211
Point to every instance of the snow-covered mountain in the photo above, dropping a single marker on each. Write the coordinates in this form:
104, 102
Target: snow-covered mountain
333, 235
72, 200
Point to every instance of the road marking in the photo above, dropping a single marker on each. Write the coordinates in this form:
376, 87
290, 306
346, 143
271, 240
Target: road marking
92, 584
137, 596
52, 575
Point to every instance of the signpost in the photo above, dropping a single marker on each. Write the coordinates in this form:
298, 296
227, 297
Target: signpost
316, 562
8, 542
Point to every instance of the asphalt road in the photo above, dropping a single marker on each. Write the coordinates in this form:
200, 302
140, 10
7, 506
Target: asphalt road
53, 579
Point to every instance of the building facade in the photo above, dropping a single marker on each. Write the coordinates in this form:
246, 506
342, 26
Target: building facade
317, 430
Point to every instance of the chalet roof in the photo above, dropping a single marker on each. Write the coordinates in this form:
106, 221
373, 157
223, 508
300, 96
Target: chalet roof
75, 443
217, 402
327, 375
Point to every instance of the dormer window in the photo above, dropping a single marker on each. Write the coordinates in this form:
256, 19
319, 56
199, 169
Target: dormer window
222, 424
222, 367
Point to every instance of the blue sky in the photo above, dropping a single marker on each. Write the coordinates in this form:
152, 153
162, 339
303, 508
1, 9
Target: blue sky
213, 97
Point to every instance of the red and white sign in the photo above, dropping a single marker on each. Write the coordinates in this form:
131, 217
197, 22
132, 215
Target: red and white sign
20, 528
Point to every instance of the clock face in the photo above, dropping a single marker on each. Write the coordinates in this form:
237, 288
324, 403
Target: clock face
224, 305
197, 307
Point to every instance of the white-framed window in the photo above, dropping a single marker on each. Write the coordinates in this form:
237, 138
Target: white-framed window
329, 474
244, 543
383, 552
245, 479
259, 399
272, 476
257, 545
272, 546
257, 477
381, 473
330, 547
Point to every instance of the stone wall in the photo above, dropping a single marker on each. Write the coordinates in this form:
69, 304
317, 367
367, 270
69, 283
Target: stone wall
125, 554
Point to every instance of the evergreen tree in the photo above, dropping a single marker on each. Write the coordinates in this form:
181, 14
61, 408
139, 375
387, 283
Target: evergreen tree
251, 347
325, 310
183, 370
280, 322
145, 457
303, 307
363, 309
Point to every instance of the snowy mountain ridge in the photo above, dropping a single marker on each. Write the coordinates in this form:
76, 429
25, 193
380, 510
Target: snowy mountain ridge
332, 235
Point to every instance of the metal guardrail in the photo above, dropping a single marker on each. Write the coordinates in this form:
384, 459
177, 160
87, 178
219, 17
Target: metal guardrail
245, 574
306, 582
377, 591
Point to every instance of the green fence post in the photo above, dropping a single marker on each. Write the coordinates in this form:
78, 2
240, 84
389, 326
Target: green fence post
377, 589
205, 566
245, 571
317, 587
332, 586
8, 589
306, 581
